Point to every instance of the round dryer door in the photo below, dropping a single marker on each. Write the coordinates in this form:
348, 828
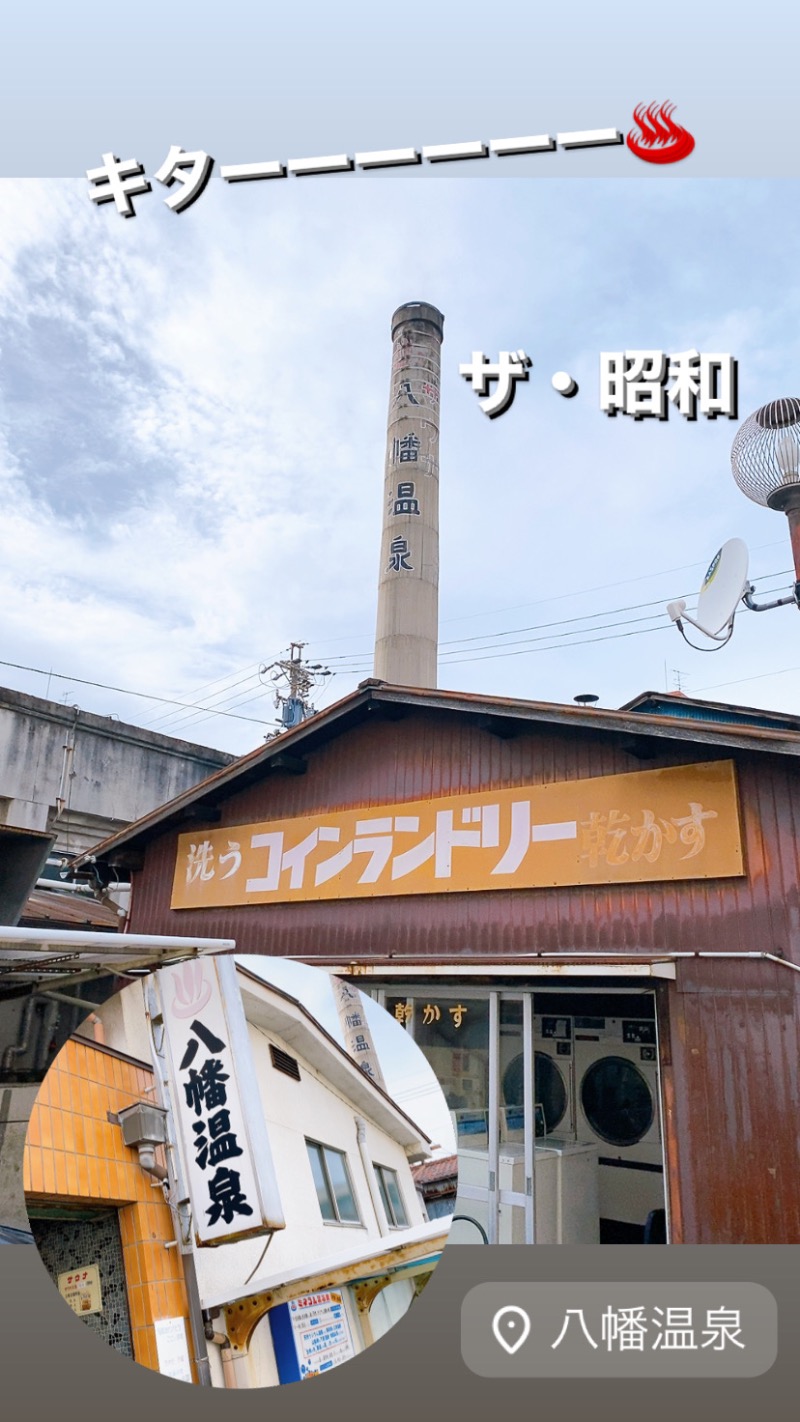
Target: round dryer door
617, 1101
549, 1089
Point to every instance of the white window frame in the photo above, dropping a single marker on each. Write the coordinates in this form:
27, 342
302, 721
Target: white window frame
380, 1171
323, 1149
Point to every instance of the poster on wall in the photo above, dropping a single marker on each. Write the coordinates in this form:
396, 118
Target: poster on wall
172, 1348
311, 1335
81, 1288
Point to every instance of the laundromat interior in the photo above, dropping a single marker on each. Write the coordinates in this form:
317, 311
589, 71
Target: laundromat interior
563, 1078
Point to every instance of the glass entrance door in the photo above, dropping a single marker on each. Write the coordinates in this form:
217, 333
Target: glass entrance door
480, 1046
554, 1094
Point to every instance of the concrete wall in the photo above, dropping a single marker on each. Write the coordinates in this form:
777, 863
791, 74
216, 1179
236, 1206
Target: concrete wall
16, 1104
106, 772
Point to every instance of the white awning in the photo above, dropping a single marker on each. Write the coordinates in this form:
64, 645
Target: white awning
59, 956
606, 966
375, 1256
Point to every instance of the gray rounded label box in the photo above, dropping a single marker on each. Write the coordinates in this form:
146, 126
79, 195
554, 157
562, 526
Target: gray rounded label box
641, 1330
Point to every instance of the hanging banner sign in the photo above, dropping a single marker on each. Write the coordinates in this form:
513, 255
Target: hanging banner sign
220, 1123
646, 826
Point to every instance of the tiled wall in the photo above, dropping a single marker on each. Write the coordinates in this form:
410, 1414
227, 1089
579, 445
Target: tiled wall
74, 1154
96, 1241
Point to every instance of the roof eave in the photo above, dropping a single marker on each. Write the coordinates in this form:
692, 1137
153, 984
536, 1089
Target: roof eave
371, 693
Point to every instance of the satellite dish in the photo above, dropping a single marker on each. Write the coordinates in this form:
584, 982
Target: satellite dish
723, 587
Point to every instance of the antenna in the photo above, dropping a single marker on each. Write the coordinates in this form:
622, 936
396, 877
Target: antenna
765, 459
724, 586
294, 680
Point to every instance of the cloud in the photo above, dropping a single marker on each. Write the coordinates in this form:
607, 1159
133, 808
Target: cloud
194, 411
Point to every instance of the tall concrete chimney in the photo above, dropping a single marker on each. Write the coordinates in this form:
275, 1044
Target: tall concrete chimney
407, 634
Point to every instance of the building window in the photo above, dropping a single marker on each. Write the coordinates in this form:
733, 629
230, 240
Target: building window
390, 1194
335, 1193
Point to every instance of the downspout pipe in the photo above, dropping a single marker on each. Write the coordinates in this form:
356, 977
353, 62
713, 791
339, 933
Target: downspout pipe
223, 1342
50, 999
369, 1171
19, 1048
148, 1162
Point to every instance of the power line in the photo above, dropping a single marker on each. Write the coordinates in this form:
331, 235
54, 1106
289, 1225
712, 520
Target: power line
247, 700
604, 587
760, 676
217, 696
454, 657
587, 641
359, 660
562, 597
460, 643
225, 700
198, 717
125, 691
530, 651
577, 639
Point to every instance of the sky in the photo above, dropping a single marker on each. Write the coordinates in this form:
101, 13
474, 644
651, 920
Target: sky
192, 428
410, 1081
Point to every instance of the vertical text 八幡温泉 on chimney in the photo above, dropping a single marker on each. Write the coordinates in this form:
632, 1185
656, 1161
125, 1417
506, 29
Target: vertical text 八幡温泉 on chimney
406, 639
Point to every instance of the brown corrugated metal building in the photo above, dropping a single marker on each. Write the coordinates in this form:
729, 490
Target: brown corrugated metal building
637, 935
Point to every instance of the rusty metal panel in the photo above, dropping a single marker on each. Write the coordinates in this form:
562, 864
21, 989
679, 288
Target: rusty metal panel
423, 755
735, 1101
730, 1035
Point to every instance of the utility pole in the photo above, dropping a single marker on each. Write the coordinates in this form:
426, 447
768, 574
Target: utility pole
294, 681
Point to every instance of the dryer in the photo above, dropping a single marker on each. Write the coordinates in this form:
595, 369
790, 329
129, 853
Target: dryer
553, 1079
617, 1108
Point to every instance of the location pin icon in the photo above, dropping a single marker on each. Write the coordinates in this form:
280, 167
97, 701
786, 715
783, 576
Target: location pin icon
511, 1326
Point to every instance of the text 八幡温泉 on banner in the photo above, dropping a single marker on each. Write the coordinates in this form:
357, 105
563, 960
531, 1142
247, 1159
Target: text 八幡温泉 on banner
216, 1106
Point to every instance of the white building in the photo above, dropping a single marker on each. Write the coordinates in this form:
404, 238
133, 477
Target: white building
356, 1245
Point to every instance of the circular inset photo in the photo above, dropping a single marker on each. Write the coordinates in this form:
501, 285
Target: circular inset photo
240, 1172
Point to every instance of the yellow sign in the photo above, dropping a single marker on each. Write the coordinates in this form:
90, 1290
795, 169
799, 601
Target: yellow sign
81, 1289
679, 823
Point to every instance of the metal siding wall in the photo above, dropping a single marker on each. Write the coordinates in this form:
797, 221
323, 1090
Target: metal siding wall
429, 755
731, 1094
735, 1037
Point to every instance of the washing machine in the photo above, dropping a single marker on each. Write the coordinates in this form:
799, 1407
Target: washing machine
565, 1176
617, 1108
553, 1078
